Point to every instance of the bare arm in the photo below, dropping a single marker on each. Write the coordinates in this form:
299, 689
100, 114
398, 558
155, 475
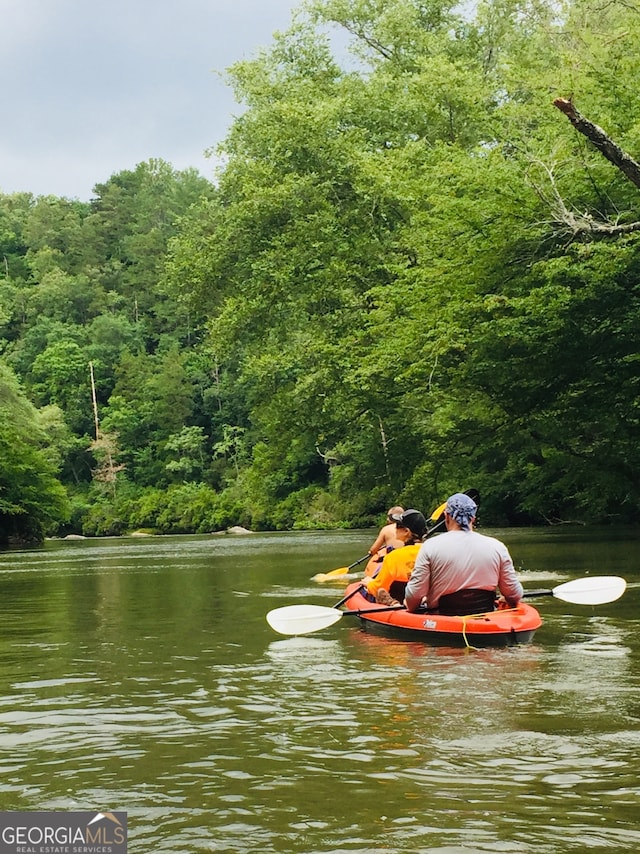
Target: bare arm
381, 539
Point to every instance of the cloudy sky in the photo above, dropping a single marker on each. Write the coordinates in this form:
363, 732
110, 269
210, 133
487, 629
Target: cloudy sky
91, 87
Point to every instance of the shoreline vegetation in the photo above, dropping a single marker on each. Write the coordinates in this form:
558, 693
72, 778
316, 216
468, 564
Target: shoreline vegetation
416, 268
235, 531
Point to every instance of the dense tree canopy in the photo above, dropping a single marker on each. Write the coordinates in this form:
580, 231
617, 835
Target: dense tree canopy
389, 269
413, 273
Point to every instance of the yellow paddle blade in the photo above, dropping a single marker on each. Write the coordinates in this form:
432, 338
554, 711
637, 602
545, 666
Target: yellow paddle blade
439, 511
335, 573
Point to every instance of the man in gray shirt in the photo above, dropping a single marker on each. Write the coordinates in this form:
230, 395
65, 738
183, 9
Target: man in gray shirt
458, 572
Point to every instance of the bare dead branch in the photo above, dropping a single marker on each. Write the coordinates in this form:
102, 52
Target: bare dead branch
571, 221
598, 138
385, 448
328, 457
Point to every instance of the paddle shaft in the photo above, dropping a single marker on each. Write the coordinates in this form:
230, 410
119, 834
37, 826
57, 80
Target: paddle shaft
364, 611
529, 593
302, 619
435, 528
348, 596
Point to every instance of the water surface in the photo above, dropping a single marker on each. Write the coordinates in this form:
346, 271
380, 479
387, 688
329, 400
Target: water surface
140, 675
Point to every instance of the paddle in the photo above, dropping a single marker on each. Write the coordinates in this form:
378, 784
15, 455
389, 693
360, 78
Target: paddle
304, 619
342, 570
586, 591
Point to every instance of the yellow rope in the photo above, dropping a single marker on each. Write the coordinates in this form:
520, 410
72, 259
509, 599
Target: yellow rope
475, 617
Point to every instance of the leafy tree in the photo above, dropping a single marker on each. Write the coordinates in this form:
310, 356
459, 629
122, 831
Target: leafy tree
188, 450
32, 501
14, 211
135, 213
55, 226
152, 400
60, 375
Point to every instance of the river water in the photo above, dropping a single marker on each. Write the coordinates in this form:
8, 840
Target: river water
140, 675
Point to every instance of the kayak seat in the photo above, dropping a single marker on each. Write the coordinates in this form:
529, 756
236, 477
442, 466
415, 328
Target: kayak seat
469, 601
396, 589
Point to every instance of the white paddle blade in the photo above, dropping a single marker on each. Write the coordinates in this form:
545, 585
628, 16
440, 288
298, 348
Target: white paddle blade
302, 619
591, 591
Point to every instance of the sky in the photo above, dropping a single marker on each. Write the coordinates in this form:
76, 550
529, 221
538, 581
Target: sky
93, 87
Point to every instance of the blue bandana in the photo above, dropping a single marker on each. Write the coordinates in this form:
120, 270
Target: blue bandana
461, 508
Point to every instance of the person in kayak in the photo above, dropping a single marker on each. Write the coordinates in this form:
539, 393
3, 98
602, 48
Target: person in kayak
387, 586
459, 571
385, 542
387, 537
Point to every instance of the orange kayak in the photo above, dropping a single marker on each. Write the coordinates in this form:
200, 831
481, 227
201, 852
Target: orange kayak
503, 627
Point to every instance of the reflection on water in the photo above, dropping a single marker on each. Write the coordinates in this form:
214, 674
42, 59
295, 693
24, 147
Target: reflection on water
142, 676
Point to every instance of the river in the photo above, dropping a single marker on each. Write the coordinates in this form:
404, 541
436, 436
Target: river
139, 674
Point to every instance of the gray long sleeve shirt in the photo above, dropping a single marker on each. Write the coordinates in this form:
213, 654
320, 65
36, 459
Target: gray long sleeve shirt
460, 560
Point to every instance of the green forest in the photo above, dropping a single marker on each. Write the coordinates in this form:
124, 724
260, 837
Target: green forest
416, 269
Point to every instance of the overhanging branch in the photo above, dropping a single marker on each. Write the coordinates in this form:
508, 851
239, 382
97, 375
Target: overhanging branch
605, 145
584, 223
